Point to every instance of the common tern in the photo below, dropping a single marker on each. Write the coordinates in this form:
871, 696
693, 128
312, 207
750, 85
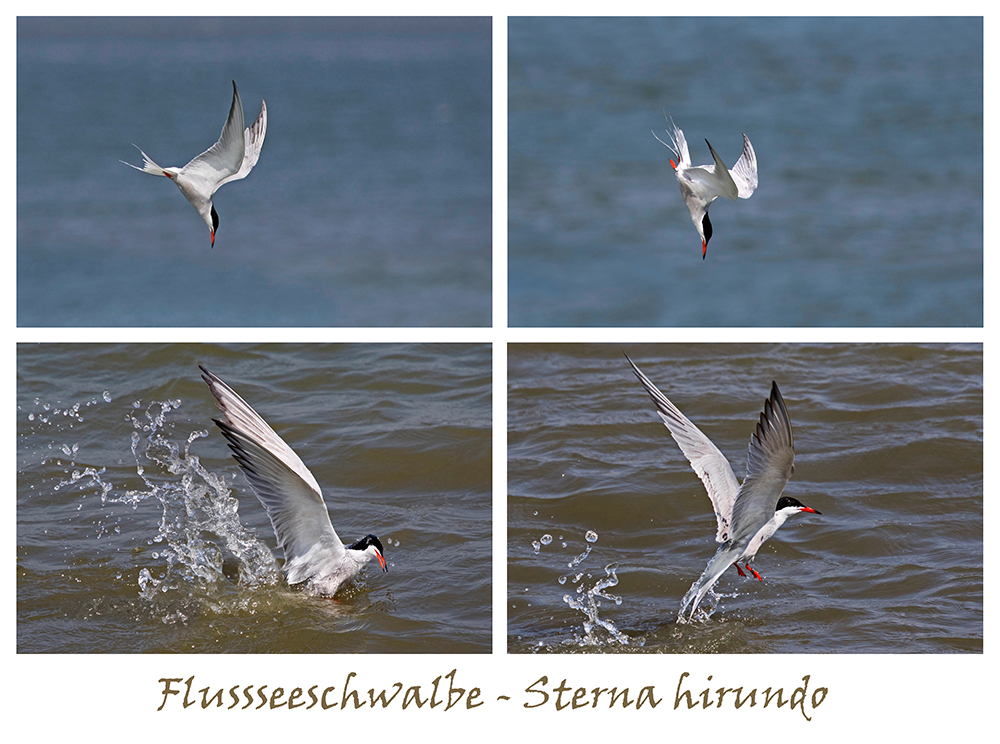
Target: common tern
747, 514
314, 554
702, 184
229, 159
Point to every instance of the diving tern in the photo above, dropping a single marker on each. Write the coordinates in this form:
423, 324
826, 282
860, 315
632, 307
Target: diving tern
314, 554
229, 159
747, 515
702, 184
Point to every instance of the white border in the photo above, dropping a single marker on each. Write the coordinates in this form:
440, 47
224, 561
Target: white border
906, 697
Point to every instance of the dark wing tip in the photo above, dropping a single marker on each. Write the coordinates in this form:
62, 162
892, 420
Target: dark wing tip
776, 397
207, 376
776, 402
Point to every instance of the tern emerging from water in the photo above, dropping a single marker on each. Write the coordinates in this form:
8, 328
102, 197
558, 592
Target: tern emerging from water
229, 159
702, 184
749, 514
314, 555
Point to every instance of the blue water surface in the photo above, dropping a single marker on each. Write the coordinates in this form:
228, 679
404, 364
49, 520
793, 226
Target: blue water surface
869, 138
370, 204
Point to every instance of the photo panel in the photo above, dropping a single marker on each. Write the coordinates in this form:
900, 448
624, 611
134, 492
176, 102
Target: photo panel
351, 184
140, 531
854, 148
610, 524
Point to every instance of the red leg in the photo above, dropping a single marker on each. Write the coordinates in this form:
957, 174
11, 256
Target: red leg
738, 569
756, 575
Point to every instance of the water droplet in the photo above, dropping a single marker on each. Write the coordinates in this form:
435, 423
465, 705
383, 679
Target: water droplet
591, 536
546, 539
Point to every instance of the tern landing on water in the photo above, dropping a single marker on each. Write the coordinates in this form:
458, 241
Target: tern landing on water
749, 514
229, 159
314, 555
702, 184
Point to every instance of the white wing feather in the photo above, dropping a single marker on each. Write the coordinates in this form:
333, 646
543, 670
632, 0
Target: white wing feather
744, 173
706, 460
283, 484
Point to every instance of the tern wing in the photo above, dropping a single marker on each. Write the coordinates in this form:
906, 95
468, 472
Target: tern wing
705, 458
283, 484
254, 141
770, 462
744, 173
720, 178
223, 159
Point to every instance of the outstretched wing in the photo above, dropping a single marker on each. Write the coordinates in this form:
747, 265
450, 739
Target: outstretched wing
254, 141
770, 461
744, 173
705, 458
283, 484
722, 180
223, 159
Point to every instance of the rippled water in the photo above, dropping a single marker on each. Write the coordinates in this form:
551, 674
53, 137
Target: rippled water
869, 140
889, 448
136, 532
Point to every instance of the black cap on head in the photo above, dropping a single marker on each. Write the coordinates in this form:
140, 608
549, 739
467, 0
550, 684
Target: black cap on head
786, 501
706, 226
366, 542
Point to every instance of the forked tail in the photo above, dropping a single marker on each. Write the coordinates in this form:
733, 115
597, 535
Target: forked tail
678, 145
722, 559
148, 166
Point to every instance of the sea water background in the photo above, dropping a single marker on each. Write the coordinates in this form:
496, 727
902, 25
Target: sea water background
889, 447
137, 533
869, 140
371, 204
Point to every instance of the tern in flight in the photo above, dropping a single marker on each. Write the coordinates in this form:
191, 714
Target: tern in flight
747, 514
702, 184
314, 554
229, 159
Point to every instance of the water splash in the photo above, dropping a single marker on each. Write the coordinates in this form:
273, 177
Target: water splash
199, 536
596, 631
706, 608
537, 544
199, 525
588, 602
